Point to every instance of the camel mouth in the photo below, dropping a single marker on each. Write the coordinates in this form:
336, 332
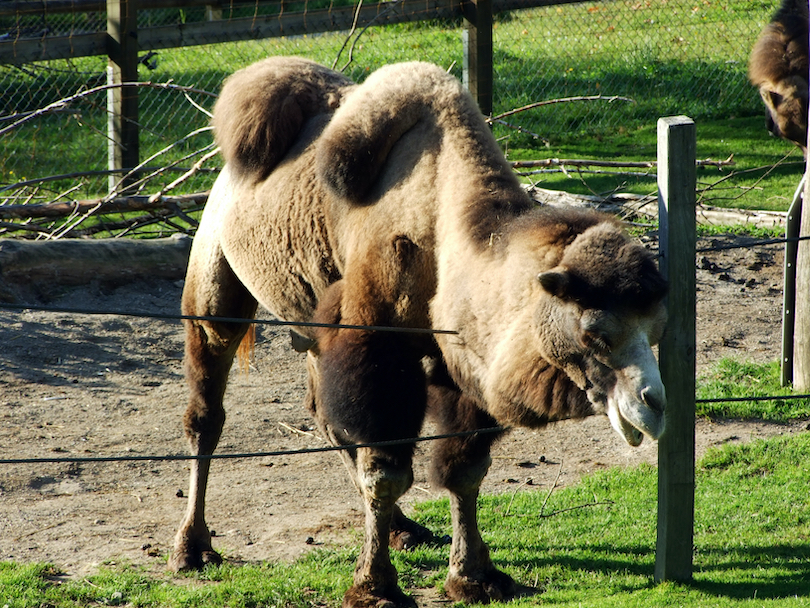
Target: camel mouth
629, 432
636, 421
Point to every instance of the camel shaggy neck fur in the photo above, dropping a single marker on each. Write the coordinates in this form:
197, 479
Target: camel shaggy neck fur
390, 204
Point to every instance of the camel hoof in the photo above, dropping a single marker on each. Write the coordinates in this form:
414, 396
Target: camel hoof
406, 534
495, 586
186, 561
363, 596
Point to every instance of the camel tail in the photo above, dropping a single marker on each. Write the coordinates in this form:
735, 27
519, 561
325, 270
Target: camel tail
263, 107
246, 348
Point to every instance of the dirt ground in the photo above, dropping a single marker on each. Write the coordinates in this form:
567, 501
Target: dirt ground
112, 385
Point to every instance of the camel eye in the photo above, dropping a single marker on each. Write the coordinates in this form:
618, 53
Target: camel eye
596, 342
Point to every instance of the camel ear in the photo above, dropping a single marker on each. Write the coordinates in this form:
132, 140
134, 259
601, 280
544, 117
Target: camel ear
554, 282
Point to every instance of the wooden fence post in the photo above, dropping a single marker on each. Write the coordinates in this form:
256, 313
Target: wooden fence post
477, 69
792, 227
801, 319
676, 448
122, 102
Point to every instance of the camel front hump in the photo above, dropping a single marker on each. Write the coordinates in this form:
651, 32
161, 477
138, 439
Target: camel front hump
386, 214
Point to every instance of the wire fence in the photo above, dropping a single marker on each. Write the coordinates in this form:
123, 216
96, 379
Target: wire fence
748, 244
667, 56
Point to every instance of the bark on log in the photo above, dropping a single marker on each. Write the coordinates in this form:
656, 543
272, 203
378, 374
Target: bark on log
74, 262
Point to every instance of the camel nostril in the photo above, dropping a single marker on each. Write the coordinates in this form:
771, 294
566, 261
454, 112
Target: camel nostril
652, 401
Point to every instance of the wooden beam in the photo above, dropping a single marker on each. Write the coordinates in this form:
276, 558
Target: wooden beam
477, 69
801, 320
792, 227
25, 50
676, 448
41, 7
122, 102
28, 50
77, 261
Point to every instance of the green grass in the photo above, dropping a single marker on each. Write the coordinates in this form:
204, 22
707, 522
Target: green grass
731, 378
592, 544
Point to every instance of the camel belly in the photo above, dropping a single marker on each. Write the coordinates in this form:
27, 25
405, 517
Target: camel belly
289, 238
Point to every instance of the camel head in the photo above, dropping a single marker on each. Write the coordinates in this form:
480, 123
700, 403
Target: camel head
605, 311
778, 68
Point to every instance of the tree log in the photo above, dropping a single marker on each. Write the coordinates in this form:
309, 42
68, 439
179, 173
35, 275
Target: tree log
74, 262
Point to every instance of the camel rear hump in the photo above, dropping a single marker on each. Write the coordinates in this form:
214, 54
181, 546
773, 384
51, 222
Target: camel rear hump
263, 107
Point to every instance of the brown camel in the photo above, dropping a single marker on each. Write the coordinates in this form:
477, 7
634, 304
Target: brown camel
778, 67
390, 204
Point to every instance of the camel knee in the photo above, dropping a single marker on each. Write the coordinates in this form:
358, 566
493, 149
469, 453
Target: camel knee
203, 427
382, 477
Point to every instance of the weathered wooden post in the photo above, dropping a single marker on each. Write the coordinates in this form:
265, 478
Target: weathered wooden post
676, 448
801, 337
477, 69
792, 227
122, 102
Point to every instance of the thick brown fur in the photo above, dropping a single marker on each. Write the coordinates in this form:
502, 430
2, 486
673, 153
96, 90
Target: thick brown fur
390, 204
779, 68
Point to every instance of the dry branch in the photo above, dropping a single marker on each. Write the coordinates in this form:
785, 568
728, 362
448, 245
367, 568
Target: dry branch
61, 104
578, 162
119, 205
549, 102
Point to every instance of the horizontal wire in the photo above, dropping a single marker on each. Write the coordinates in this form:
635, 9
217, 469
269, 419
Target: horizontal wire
332, 448
175, 457
176, 317
734, 399
757, 243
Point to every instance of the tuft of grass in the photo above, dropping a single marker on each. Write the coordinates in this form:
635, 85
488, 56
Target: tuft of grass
732, 379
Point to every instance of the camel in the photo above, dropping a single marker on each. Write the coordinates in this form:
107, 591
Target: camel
778, 67
389, 205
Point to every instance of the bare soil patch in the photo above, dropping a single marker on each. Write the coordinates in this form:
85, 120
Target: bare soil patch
111, 385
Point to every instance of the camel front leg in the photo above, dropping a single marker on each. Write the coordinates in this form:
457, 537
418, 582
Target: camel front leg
382, 481
472, 578
459, 465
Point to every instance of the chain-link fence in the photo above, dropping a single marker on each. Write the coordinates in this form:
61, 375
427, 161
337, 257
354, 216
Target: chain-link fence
668, 56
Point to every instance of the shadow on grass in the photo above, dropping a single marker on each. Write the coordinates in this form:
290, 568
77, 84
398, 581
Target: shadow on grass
764, 572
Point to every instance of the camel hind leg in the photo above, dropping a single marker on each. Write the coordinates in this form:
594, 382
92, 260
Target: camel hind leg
211, 289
